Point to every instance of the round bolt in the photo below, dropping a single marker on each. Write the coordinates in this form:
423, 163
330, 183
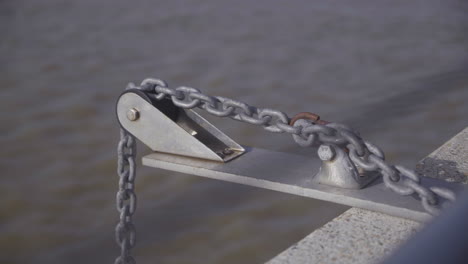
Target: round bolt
133, 114
228, 151
326, 152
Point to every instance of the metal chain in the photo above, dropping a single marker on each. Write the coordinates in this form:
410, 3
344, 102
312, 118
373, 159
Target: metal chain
363, 154
125, 233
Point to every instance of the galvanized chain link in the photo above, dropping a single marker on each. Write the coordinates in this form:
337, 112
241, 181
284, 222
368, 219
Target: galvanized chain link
125, 233
364, 154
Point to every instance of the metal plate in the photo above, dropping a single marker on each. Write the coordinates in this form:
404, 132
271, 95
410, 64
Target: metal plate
289, 173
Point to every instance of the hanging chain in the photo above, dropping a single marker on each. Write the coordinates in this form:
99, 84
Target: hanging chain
125, 233
362, 153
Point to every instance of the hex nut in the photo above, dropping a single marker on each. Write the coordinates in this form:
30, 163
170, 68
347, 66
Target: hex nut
133, 114
326, 152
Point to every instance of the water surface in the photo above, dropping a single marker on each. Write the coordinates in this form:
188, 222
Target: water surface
395, 70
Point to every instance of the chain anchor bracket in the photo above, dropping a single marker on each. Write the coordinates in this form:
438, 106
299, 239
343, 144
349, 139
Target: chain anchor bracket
183, 141
338, 170
165, 128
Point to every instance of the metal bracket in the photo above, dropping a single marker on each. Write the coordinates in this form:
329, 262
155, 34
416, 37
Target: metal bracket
163, 127
166, 128
187, 143
338, 170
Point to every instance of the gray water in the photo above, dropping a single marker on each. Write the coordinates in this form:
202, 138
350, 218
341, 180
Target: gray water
395, 70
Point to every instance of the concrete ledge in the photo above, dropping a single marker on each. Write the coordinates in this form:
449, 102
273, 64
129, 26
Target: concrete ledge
361, 236
449, 162
356, 236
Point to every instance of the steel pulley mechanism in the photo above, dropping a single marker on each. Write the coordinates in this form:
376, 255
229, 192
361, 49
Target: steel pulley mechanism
347, 170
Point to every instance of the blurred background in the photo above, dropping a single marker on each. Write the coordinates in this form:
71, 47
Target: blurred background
397, 71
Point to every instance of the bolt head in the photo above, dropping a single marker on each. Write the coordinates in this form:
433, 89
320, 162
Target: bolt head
228, 151
326, 152
133, 114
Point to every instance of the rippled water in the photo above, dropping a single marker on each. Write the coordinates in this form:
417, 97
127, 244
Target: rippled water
395, 70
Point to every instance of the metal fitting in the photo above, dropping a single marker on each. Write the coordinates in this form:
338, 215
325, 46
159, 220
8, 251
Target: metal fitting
326, 153
133, 114
228, 151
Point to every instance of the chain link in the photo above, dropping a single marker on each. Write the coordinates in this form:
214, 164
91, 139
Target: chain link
363, 154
